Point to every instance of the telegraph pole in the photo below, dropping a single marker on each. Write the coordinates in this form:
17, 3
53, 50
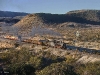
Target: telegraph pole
77, 36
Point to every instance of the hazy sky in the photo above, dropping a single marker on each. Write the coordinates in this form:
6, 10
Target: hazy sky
48, 6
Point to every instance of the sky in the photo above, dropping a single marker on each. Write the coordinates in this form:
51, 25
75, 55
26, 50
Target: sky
48, 6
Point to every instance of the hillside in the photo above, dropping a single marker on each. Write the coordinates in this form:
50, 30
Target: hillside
80, 17
10, 18
86, 16
92, 15
42, 18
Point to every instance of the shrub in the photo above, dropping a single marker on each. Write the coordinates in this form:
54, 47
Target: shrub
57, 69
70, 59
37, 62
21, 69
88, 69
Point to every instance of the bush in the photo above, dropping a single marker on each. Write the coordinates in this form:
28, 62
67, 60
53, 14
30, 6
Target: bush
70, 59
21, 69
88, 69
57, 69
37, 62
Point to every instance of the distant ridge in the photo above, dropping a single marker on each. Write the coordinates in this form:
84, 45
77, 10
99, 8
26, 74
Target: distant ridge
78, 16
91, 17
12, 14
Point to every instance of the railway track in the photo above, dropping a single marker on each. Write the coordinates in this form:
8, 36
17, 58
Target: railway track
74, 48
65, 47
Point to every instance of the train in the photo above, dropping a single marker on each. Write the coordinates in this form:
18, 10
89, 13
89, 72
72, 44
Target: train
65, 46
54, 43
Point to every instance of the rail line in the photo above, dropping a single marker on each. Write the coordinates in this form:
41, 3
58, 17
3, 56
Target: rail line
74, 48
64, 46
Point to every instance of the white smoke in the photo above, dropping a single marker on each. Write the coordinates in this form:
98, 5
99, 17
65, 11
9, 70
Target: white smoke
10, 30
43, 31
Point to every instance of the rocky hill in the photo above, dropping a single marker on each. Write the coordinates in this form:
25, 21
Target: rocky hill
41, 19
77, 17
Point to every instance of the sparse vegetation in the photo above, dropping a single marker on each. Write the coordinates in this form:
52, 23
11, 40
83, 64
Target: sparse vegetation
21, 69
57, 69
24, 63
